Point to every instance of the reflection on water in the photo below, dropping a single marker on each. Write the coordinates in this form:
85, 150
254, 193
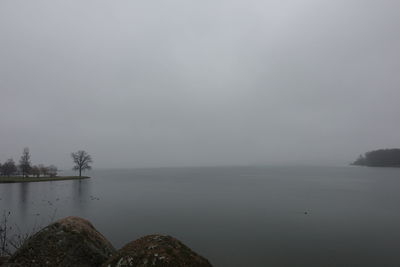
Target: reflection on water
23, 198
37, 204
80, 193
6, 193
237, 216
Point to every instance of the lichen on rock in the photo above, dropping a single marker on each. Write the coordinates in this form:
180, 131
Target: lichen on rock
71, 241
156, 251
74, 241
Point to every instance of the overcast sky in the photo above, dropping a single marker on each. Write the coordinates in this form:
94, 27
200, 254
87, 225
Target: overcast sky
206, 82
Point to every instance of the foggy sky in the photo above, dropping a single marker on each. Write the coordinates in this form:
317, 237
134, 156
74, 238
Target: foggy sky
190, 83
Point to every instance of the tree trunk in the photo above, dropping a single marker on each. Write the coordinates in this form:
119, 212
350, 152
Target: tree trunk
80, 172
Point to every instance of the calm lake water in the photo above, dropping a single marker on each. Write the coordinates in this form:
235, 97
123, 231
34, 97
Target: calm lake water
234, 216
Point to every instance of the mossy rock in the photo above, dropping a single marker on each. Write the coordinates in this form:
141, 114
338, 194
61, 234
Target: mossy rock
156, 251
71, 241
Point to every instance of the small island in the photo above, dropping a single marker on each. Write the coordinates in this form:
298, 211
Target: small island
380, 158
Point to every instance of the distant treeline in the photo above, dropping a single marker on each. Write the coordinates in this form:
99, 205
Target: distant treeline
380, 158
25, 168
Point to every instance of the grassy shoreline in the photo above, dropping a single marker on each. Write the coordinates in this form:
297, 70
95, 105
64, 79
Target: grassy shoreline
19, 179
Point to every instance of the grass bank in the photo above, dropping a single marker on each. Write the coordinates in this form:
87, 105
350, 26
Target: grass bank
19, 179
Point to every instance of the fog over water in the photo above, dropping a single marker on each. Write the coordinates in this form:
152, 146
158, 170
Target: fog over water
192, 83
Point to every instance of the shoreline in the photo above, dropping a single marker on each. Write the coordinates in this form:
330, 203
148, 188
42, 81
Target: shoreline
19, 179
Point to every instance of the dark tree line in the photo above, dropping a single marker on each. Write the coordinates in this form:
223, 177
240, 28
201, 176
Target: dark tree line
25, 167
380, 158
8, 168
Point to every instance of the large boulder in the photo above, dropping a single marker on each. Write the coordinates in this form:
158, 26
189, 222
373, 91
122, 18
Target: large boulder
156, 251
71, 241
3, 260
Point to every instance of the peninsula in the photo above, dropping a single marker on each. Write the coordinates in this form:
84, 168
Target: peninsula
21, 179
25, 172
380, 158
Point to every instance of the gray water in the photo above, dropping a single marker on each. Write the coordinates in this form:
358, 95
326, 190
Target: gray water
234, 216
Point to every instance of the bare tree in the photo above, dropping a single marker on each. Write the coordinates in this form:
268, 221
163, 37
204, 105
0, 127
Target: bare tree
43, 170
52, 171
25, 162
9, 168
82, 160
35, 171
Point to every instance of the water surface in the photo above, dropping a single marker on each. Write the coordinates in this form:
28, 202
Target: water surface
234, 216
